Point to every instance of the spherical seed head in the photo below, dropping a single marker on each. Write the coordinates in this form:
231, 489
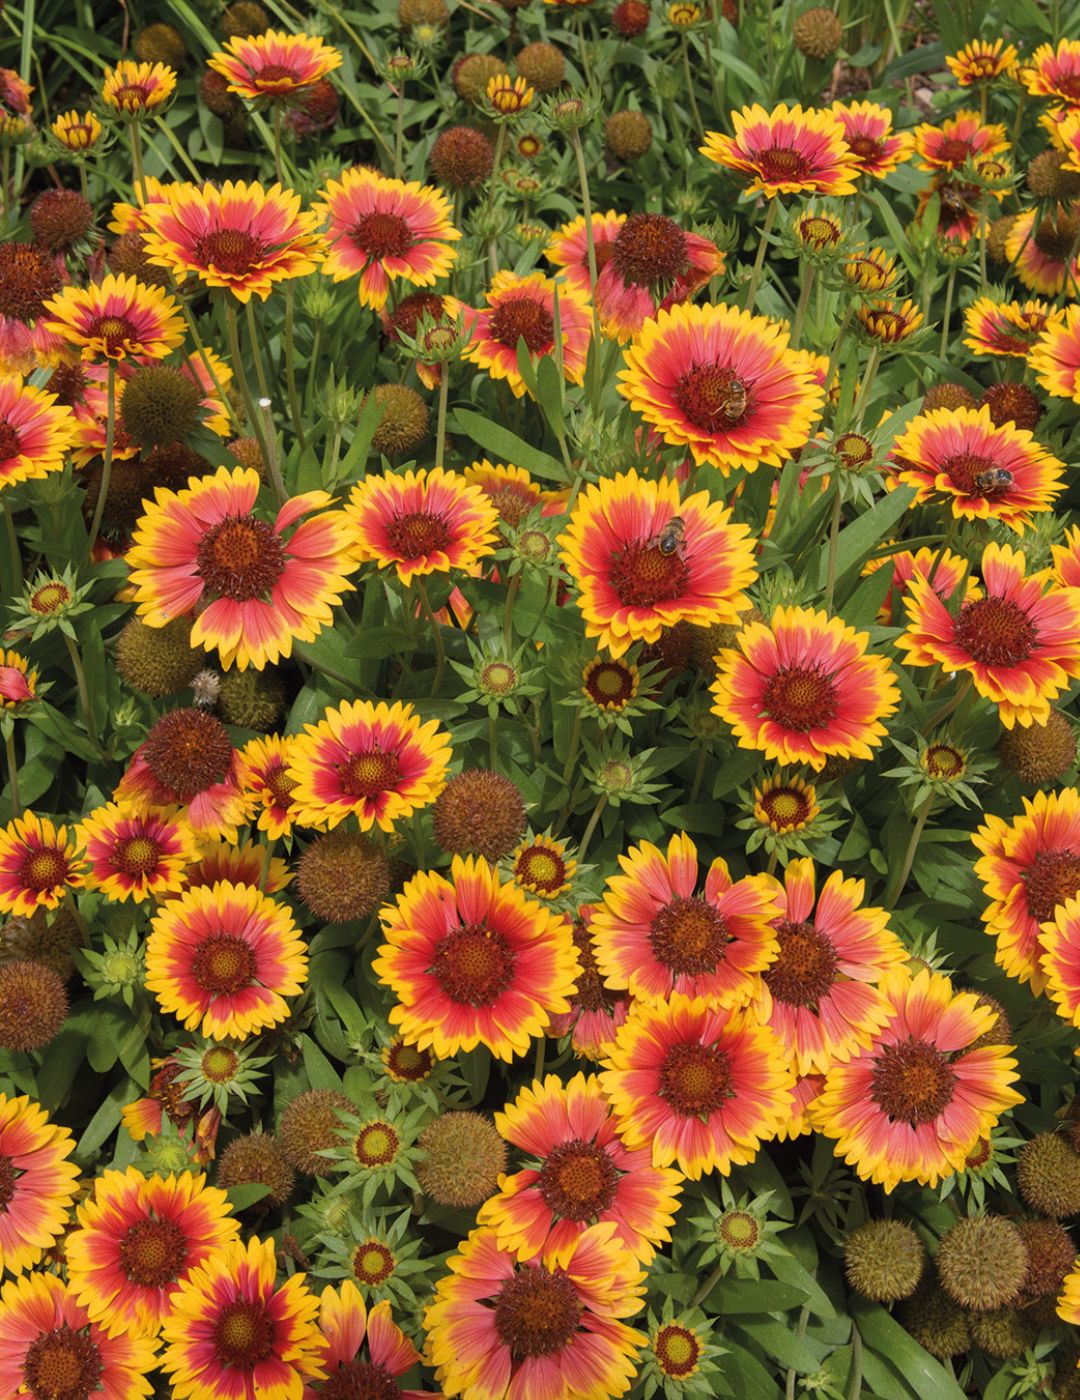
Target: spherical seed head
127, 257
947, 396
412, 12
317, 109
170, 465
1047, 177
252, 699
161, 43
158, 661
1000, 1033
817, 33
884, 1260
627, 135
479, 813
1042, 752
33, 1005
214, 91
1003, 1333
1048, 1176
673, 652
160, 405
47, 936
463, 1159
404, 422
68, 383
997, 232
27, 276
471, 74
60, 218
309, 1125
630, 18
188, 751
982, 1262
343, 876
1013, 403
938, 1324
244, 19
257, 1158
461, 157
541, 65
1051, 1254
247, 451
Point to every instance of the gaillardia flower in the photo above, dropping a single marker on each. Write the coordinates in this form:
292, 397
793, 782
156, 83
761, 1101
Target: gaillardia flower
473, 961
723, 383
497, 1327
231, 1335
786, 151
382, 230
239, 237
366, 1351
38, 1182
523, 308
651, 264
136, 855
580, 1173
137, 1240
949, 571
35, 432
255, 589
1020, 643
117, 318
702, 1087
987, 472
77, 131
38, 865
187, 761
1054, 72
1029, 868
1040, 249
222, 958
18, 680
274, 65
913, 1105
1008, 328
820, 995
1055, 355
378, 763
133, 89
868, 132
263, 774
803, 688
655, 934
960, 140
568, 247
421, 522
981, 61
1060, 937
644, 560
596, 1012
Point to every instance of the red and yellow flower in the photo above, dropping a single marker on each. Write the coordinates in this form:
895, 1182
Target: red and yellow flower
981, 62
523, 308
652, 264
1040, 252
222, 958
821, 995
580, 1173
242, 864
18, 680
785, 806
117, 318
786, 151
889, 322
949, 571
232, 1335
802, 688
724, 383
702, 1087
655, 934
136, 855
1007, 327
274, 65
473, 961
39, 863
138, 1239
35, 432
568, 247
239, 237
1060, 938
512, 491
497, 1327
868, 132
49, 1348
986, 472
1054, 72
383, 230
1020, 642
958, 141
256, 590
366, 1351
77, 131
596, 1012
1055, 355
263, 774
133, 89
376, 762
630, 587
38, 1182
913, 1105
1066, 570
421, 522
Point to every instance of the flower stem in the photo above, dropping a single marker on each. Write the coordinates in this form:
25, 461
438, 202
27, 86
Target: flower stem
572, 751
508, 610
597, 812
254, 422
493, 743
800, 310
834, 538
399, 131
872, 362
538, 1063
440, 428
950, 284
590, 252
256, 355
83, 689
208, 364
13, 774
707, 1287
694, 112
699, 773
137, 161
759, 261
11, 570
279, 115
106, 461
436, 634
273, 466
897, 883
290, 367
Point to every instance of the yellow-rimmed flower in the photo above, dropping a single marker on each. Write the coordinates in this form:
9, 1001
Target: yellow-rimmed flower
78, 131
263, 775
871, 270
1040, 248
981, 61
541, 865
1008, 328
1054, 72
568, 246
118, 318
959, 140
890, 322
133, 89
785, 805
38, 1182
1055, 356
39, 863
868, 131
786, 151
136, 855
508, 96
523, 308
35, 432
274, 64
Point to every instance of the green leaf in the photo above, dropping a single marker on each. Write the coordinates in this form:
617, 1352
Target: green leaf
507, 446
782, 1343
884, 1335
734, 1297
856, 540
246, 1194
862, 607
320, 1071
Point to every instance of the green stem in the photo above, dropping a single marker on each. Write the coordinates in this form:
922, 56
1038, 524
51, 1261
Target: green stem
789, 1385
279, 116
855, 1389
699, 773
399, 131
304, 654
834, 538
595, 385
508, 609
436, 633
193, 170
597, 813
896, 884
834, 356
208, 364
290, 367
256, 355
773, 858
873, 360
330, 460
83, 689
950, 705
11, 565
950, 284
707, 1287
313, 366
759, 261
500, 142
694, 112
251, 415
273, 465
493, 743
538, 1063
946, 540
106, 461
440, 428
800, 310
137, 161
13, 775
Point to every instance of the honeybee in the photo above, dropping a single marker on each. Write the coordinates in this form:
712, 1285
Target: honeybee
994, 479
734, 401
671, 539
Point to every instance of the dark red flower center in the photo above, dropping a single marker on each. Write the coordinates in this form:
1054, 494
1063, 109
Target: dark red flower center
153, 1252
275, 72
805, 967
382, 235
241, 558
244, 1335
1052, 878
376, 1144
689, 936
943, 761
786, 808
676, 1350
279, 784
912, 1082
62, 1365
9, 1175
865, 147
114, 331
522, 317
541, 867
229, 250
50, 598
953, 151
9, 441
611, 684
713, 397
43, 869
783, 163
591, 994
188, 751
372, 1263
642, 576
418, 535
649, 249
819, 233
1067, 84
369, 773
473, 965
408, 1062
131, 97
800, 698
224, 965
996, 632
136, 855
578, 1180
536, 1312
358, 1380
965, 468
414, 308
695, 1079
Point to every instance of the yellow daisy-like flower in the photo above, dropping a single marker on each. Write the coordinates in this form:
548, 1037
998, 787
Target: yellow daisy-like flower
117, 318
786, 151
78, 131
136, 855
890, 322
523, 309
981, 62
38, 1182
35, 432
785, 805
133, 89
263, 775
38, 865
274, 65
509, 96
